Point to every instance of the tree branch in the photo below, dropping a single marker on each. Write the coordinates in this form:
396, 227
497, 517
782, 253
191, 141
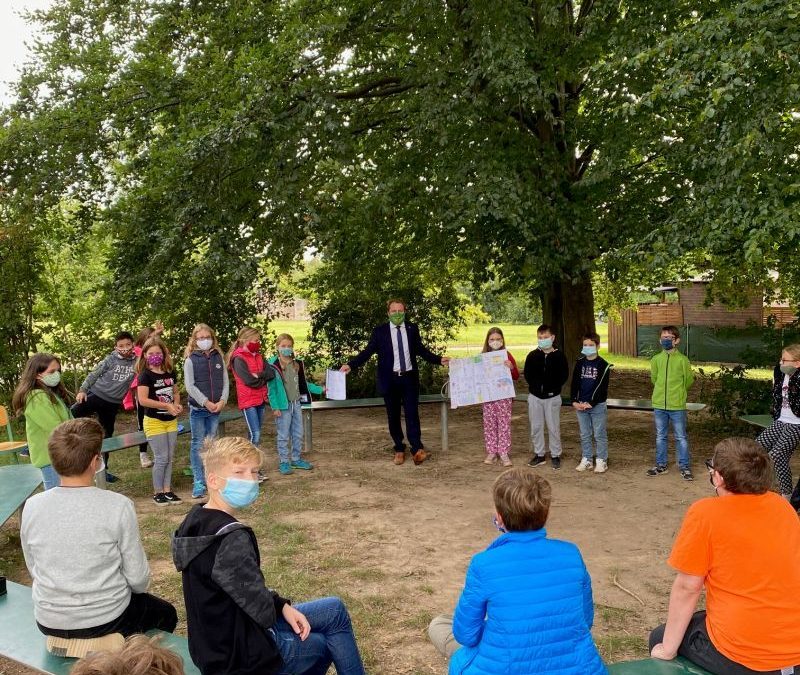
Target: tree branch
583, 14
584, 160
386, 86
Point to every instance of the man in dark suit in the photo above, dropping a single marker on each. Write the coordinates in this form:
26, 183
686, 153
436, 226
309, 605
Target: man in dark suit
398, 344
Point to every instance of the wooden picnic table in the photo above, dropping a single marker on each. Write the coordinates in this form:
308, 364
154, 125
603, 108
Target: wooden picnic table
17, 483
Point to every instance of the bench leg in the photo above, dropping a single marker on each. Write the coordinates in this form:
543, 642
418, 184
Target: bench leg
307, 430
445, 439
100, 479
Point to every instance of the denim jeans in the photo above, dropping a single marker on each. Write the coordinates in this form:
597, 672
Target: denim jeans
331, 641
254, 415
49, 477
678, 420
204, 425
593, 422
290, 426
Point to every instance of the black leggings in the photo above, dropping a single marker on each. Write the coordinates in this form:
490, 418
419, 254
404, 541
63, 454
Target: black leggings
145, 612
106, 414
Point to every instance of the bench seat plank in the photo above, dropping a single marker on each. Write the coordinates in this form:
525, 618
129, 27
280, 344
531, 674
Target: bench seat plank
762, 421
17, 483
679, 666
21, 641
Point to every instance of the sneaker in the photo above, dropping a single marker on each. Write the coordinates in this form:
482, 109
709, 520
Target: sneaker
686, 474
262, 476
505, 460
160, 499
537, 460
585, 464
172, 498
302, 464
111, 478
657, 470
145, 461
600, 466
556, 462
490, 459
285, 469
199, 490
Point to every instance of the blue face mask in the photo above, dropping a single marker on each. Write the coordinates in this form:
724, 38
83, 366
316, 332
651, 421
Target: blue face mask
545, 343
239, 493
286, 351
589, 351
667, 343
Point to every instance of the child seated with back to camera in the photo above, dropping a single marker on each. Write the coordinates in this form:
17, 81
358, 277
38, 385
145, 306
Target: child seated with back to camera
526, 606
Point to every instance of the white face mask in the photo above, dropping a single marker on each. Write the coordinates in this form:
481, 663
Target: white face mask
496, 344
205, 344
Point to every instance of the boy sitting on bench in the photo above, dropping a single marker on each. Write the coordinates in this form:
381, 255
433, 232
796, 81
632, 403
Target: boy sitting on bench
743, 547
82, 548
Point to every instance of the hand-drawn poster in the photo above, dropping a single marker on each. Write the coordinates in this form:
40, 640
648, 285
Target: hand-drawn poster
479, 379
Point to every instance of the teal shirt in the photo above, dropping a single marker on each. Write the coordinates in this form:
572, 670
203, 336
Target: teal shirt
41, 417
278, 400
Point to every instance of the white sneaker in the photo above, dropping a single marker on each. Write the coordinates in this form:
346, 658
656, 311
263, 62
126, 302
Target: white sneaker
586, 463
145, 460
601, 466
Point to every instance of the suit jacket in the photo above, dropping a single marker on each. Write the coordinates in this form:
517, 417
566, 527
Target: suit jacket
380, 343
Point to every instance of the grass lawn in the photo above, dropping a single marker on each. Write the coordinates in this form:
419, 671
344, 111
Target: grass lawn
520, 339
468, 338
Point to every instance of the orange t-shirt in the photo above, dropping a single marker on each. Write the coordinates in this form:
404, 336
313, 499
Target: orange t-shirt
747, 549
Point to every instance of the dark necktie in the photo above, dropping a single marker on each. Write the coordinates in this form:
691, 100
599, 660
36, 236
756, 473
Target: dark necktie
401, 352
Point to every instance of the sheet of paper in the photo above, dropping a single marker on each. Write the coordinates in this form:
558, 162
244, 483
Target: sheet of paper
336, 385
479, 379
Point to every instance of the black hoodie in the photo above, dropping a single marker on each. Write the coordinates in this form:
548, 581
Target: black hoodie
229, 609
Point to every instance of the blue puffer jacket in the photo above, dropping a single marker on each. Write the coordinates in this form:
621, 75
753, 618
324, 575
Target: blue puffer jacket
526, 609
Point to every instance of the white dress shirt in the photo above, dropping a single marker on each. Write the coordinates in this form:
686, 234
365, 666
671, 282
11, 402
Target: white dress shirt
406, 354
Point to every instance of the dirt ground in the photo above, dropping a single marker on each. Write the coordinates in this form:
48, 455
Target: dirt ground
395, 541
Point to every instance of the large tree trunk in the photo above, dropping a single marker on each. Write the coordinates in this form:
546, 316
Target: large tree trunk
568, 306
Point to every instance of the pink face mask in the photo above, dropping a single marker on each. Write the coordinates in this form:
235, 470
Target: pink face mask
155, 360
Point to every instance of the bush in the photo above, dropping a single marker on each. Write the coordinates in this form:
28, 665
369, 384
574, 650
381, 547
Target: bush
736, 394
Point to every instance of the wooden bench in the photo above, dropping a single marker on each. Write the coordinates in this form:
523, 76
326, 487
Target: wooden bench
640, 404
679, 666
17, 483
761, 421
135, 438
21, 641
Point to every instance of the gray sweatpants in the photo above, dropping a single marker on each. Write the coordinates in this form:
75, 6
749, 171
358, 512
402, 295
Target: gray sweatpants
163, 447
541, 412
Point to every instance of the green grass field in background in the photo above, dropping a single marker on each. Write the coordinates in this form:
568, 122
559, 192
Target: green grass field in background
519, 338
469, 337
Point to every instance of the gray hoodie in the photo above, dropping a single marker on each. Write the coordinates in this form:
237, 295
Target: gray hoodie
112, 378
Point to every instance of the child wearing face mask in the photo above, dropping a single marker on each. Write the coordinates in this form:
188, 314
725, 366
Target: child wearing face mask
287, 394
158, 393
251, 374
41, 397
206, 381
589, 392
104, 389
236, 624
781, 437
497, 414
546, 371
671, 375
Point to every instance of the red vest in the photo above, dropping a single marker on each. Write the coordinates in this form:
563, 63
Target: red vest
247, 397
